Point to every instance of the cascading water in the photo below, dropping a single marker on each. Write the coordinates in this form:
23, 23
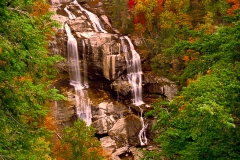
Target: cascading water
83, 103
134, 70
92, 17
74, 67
142, 133
134, 74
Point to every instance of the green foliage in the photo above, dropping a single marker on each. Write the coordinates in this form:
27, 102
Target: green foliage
26, 70
203, 121
79, 143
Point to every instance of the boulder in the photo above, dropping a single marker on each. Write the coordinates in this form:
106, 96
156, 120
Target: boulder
125, 131
80, 24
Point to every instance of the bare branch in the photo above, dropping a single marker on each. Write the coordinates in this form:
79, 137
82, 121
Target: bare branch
58, 135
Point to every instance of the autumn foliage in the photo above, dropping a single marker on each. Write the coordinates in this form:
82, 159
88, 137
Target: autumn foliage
78, 142
40, 8
235, 4
130, 4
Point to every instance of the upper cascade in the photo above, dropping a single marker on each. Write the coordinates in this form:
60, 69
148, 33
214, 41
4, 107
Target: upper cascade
96, 23
73, 59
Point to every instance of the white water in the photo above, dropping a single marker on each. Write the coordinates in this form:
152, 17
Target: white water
83, 103
142, 134
73, 60
134, 70
92, 17
134, 74
70, 14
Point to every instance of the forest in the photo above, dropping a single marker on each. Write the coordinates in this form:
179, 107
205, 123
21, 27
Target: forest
195, 43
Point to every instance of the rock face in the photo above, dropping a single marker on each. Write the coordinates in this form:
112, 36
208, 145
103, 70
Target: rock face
106, 114
159, 85
113, 116
125, 131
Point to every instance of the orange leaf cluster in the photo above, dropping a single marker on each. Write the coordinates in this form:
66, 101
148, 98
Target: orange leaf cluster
140, 18
40, 8
191, 39
23, 78
182, 107
235, 5
49, 123
61, 152
186, 58
2, 62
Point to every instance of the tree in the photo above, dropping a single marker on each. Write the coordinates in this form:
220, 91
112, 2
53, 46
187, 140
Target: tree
79, 143
118, 9
26, 69
203, 121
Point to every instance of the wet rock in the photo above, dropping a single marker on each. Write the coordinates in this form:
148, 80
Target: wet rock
125, 131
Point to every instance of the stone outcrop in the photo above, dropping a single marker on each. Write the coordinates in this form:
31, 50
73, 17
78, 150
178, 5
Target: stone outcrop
159, 85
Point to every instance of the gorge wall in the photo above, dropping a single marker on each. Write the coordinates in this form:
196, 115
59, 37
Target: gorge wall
117, 121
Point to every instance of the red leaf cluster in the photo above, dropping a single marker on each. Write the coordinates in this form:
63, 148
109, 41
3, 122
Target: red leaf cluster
130, 4
140, 18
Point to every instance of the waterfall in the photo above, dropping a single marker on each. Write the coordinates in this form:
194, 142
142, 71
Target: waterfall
134, 70
83, 103
134, 74
92, 17
74, 67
